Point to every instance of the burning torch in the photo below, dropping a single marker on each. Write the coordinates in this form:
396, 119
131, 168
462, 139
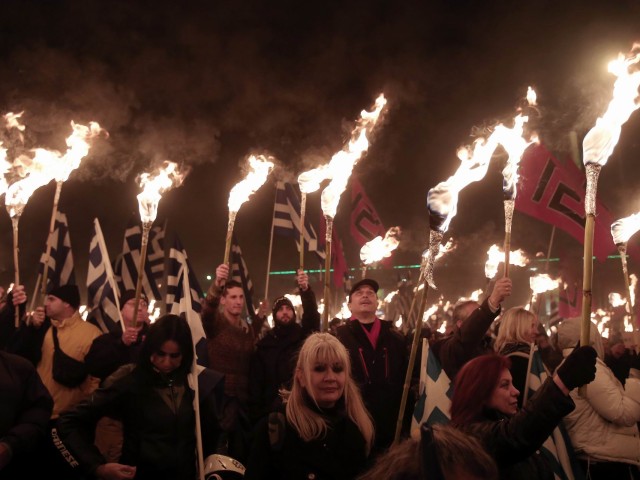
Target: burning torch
78, 148
597, 147
379, 248
153, 186
259, 168
621, 231
341, 166
513, 142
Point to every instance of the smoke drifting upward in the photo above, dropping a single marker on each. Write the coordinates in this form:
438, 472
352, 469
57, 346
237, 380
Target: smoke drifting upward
206, 83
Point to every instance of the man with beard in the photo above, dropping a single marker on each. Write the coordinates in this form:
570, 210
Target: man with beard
274, 360
379, 358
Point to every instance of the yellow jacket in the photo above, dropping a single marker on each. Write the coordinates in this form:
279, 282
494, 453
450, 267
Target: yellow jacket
75, 337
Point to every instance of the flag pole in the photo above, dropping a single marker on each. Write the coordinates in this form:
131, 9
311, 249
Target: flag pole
109, 271
273, 217
52, 224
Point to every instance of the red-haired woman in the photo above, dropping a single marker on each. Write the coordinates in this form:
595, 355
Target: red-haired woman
485, 405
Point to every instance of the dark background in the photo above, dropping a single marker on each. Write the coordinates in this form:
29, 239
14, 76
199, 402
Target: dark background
205, 83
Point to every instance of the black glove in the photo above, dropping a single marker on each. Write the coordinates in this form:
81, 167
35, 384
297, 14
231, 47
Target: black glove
579, 368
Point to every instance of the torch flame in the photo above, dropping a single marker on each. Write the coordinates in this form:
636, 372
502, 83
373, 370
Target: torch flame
153, 186
496, 257
543, 283
633, 282
12, 120
600, 141
259, 168
78, 148
36, 173
310, 180
622, 230
442, 200
616, 300
532, 97
342, 163
379, 248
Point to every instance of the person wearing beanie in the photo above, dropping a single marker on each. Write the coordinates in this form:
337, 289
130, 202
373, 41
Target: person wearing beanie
274, 360
109, 352
604, 425
60, 319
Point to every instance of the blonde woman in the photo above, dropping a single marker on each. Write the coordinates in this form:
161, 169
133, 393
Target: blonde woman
516, 334
323, 431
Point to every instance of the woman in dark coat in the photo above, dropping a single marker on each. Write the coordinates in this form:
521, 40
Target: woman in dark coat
323, 431
485, 405
154, 401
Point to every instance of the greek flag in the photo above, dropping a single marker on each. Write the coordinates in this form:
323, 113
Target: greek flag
557, 449
286, 219
434, 403
240, 273
60, 262
127, 267
184, 295
102, 289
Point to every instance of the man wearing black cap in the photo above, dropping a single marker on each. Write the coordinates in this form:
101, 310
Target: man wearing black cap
74, 338
378, 359
112, 350
274, 360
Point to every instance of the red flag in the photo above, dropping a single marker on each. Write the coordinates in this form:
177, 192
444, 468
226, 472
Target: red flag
554, 193
338, 262
365, 222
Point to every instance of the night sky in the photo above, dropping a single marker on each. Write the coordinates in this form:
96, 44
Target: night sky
205, 84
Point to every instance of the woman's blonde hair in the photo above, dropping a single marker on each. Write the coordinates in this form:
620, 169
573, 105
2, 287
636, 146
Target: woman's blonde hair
310, 425
515, 325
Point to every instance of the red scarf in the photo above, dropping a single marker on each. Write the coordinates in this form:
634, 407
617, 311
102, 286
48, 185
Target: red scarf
374, 333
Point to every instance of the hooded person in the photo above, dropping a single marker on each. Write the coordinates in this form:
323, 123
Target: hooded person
603, 427
273, 363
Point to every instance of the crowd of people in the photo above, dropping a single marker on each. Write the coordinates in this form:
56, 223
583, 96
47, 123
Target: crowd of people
292, 402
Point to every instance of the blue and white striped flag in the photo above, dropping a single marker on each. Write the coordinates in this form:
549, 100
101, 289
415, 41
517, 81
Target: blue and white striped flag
60, 263
184, 296
102, 289
434, 403
240, 273
127, 269
286, 219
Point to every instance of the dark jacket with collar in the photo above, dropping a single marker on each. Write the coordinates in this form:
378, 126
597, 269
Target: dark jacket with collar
279, 453
274, 360
159, 438
379, 372
467, 341
514, 442
25, 408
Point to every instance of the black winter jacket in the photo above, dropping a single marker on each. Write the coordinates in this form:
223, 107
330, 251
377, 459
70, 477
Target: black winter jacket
159, 439
380, 373
515, 442
274, 360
